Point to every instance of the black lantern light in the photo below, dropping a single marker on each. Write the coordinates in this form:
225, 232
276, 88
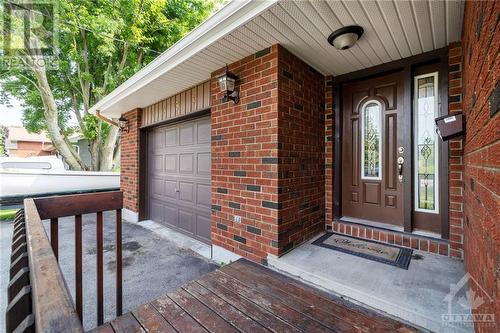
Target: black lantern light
344, 38
123, 124
227, 83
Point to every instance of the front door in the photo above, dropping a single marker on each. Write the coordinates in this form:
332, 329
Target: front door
375, 138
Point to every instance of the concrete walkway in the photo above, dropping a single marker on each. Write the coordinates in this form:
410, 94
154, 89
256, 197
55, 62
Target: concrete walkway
416, 295
152, 265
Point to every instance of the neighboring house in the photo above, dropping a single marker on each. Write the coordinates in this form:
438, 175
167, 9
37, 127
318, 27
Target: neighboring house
321, 138
21, 143
82, 147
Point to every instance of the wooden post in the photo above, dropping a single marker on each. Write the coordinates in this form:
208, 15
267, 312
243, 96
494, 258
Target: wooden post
54, 236
78, 266
119, 307
100, 264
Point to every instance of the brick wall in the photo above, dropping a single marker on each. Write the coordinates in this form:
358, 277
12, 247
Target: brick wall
129, 157
301, 184
481, 90
329, 145
455, 154
267, 156
244, 159
29, 148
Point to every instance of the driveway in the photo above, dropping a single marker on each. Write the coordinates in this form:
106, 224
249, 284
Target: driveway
5, 241
152, 265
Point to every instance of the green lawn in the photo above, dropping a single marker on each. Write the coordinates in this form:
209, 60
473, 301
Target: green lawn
7, 214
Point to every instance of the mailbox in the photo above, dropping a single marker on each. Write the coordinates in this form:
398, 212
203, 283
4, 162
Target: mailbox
450, 126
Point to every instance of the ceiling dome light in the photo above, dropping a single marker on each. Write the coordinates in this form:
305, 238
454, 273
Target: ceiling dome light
344, 38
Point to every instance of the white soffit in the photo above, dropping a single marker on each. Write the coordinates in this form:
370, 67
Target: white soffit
394, 29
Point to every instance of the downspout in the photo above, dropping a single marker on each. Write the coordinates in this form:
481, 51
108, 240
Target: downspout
107, 120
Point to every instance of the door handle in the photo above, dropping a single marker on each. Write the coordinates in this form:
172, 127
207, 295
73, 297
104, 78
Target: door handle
401, 161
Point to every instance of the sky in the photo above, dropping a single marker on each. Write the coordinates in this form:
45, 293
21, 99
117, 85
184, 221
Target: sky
11, 116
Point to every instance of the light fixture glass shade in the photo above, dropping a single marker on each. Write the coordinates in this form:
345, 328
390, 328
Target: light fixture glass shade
226, 83
122, 122
345, 41
345, 37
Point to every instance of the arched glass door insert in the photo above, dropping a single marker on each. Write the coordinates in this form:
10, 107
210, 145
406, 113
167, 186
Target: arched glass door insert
371, 140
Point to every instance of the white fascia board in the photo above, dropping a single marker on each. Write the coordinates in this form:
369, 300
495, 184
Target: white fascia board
222, 23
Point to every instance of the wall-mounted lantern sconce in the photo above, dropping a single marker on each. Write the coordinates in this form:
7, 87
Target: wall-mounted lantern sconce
123, 124
227, 83
345, 37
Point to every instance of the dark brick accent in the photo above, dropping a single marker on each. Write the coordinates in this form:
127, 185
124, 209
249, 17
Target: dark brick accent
270, 160
234, 154
454, 98
263, 52
287, 74
254, 230
495, 101
455, 68
217, 137
240, 173
222, 226
240, 239
221, 190
216, 207
254, 188
271, 205
254, 105
234, 205
298, 106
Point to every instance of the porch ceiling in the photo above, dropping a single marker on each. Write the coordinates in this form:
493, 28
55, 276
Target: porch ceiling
393, 30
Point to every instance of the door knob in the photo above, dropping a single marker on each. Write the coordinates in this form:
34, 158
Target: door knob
401, 161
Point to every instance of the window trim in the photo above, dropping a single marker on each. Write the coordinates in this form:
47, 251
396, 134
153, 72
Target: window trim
362, 157
437, 163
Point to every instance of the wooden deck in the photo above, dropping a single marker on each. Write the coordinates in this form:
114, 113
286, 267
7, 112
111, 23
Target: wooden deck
245, 297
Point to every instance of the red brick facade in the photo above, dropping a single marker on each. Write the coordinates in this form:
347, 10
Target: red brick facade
268, 156
455, 154
329, 145
481, 89
301, 184
244, 159
129, 170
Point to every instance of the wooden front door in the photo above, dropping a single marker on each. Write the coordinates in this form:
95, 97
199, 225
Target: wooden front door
375, 142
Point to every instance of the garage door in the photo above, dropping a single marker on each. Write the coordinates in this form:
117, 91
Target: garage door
179, 177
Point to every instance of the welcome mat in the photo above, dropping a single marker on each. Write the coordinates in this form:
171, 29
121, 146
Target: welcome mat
368, 249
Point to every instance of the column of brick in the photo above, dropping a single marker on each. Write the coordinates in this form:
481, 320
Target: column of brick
481, 91
455, 158
129, 161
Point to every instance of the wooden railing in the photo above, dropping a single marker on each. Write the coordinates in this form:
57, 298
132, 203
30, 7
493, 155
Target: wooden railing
39, 299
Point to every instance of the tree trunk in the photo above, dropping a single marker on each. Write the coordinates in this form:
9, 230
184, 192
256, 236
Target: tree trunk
108, 149
51, 118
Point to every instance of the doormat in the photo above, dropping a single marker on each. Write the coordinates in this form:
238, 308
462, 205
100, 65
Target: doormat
368, 249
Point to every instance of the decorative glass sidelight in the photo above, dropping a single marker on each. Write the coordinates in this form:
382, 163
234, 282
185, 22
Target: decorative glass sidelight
426, 147
371, 140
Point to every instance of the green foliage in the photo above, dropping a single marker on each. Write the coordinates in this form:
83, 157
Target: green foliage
4, 133
101, 44
7, 214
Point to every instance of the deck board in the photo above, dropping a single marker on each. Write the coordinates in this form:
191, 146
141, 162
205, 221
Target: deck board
246, 297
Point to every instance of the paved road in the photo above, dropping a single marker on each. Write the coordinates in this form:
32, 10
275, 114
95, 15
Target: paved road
152, 265
5, 240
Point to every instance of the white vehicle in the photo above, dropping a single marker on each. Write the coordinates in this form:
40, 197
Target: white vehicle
45, 175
